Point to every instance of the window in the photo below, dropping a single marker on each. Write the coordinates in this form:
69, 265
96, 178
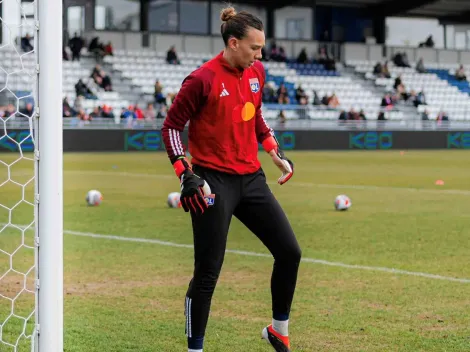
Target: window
293, 23
217, 7
163, 16
193, 17
117, 14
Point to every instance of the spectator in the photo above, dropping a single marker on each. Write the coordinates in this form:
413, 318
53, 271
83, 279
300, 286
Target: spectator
301, 96
138, 112
158, 93
107, 111
149, 113
268, 93
420, 66
283, 95
26, 45
385, 71
333, 101
316, 98
96, 48
378, 69
108, 49
76, 45
343, 116
460, 74
27, 110
96, 112
302, 58
81, 89
162, 112
281, 117
171, 56
67, 110
387, 101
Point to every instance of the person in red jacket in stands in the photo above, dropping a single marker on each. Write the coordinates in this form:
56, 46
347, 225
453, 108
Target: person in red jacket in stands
222, 102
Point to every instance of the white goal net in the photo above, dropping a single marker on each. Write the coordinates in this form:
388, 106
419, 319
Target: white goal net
20, 172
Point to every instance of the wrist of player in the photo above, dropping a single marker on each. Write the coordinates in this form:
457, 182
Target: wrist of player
285, 165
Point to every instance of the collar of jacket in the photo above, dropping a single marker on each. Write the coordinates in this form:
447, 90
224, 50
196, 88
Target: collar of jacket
225, 64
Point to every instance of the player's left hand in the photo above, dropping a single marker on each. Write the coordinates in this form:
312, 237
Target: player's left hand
285, 165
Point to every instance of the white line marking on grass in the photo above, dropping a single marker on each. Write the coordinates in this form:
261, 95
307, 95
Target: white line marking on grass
462, 192
254, 254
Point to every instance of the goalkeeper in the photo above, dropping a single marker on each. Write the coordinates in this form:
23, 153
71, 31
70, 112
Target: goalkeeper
222, 102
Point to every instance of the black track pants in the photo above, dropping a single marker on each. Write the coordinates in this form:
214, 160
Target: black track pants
249, 198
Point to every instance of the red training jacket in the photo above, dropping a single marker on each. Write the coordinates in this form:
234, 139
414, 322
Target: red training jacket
223, 106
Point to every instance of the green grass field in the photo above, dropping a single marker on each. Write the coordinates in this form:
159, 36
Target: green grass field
129, 296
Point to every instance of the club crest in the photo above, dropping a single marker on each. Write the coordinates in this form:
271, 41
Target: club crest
254, 85
210, 199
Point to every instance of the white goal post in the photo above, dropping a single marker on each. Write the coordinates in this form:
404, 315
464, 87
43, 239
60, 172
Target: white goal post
50, 177
31, 177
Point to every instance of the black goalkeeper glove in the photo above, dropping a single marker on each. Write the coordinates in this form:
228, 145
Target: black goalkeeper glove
193, 188
192, 192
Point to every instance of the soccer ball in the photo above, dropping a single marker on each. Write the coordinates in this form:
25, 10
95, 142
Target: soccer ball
174, 200
94, 197
342, 202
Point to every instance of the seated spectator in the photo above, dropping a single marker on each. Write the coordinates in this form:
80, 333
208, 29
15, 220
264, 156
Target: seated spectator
343, 116
281, 117
107, 111
460, 74
162, 112
442, 116
420, 66
425, 115
302, 58
283, 95
158, 93
385, 71
83, 116
67, 110
81, 89
377, 69
387, 101
149, 113
352, 115
26, 45
316, 98
138, 112
171, 56
362, 115
96, 112
325, 59
401, 60
301, 96
333, 101
282, 57
428, 43
268, 93
400, 87
27, 110
96, 48
381, 116
273, 52
108, 49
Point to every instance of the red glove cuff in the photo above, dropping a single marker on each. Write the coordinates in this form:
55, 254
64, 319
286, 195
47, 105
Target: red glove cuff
269, 144
180, 166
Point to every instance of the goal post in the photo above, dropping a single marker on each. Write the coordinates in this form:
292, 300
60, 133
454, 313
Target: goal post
31, 186
49, 164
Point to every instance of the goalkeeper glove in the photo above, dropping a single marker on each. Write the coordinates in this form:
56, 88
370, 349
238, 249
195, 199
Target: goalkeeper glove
271, 146
193, 188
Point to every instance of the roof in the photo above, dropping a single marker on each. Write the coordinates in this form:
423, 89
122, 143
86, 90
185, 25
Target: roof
448, 11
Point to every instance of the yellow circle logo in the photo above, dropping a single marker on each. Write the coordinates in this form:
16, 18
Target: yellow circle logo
248, 111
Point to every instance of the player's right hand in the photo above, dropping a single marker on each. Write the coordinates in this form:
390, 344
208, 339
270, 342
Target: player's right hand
192, 192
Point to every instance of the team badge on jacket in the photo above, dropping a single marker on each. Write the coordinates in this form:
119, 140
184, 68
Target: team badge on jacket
254, 85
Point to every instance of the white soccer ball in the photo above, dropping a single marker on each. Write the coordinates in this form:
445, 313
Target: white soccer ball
94, 197
174, 200
342, 202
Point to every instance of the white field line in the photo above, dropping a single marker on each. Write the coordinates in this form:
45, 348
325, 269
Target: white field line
264, 255
290, 183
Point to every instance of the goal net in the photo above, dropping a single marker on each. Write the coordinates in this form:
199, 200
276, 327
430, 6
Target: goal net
28, 236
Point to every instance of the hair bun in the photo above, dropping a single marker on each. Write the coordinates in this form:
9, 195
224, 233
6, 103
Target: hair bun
227, 14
